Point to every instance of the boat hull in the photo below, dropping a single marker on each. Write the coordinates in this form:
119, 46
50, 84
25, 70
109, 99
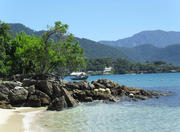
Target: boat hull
79, 78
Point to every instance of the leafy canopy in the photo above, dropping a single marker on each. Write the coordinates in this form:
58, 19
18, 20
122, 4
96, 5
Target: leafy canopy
54, 51
4, 47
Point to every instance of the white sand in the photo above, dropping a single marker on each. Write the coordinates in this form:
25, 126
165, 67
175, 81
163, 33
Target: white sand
4, 115
16, 120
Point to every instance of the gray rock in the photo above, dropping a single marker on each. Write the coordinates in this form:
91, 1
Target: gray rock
28, 82
91, 86
58, 104
5, 105
11, 84
46, 87
57, 92
18, 96
4, 92
99, 85
69, 99
141, 97
34, 101
31, 90
44, 98
72, 85
88, 99
82, 85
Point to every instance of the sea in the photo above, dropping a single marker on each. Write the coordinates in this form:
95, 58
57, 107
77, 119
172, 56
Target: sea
152, 115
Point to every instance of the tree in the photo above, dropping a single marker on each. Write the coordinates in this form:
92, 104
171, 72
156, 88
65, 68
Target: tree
43, 54
159, 62
27, 53
122, 66
5, 38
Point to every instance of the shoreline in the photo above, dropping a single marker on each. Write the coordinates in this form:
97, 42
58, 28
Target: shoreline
18, 119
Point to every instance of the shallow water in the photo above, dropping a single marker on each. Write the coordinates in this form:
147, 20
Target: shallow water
153, 115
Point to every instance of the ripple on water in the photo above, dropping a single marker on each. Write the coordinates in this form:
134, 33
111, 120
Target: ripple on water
113, 118
160, 115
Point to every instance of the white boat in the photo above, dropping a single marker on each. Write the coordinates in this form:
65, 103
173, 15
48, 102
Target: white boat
78, 76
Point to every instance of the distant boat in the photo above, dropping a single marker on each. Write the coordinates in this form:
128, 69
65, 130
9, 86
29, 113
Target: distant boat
78, 76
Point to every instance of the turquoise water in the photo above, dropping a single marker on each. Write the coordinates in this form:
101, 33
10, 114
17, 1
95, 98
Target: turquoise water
153, 115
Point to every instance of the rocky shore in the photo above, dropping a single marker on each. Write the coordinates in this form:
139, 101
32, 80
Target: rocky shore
56, 95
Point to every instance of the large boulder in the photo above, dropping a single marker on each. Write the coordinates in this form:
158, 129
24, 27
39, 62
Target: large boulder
104, 96
46, 87
69, 99
5, 105
90, 95
58, 104
57, 92
99, 85
44, 98
28, 82
11, 84
4, 92
18, 96
33, 101
31, 90
38, 99
79, 95
82, 85
88, 99
105, 83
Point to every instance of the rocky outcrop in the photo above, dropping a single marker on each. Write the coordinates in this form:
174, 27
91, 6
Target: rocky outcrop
58, 95
5, 105
58, 104
28, 82
4, 92
69, 99
45, 86
33, 101
18, 96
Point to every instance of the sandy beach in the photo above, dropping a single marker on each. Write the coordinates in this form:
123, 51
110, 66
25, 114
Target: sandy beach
18, 119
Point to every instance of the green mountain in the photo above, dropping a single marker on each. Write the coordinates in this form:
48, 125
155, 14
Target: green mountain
157, 38
140, 53
92, 49
143, 53
97, 50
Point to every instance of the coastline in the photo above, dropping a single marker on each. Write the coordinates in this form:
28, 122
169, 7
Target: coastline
18, 119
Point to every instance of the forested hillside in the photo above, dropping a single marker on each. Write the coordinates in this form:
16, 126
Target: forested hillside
92, 49
141, 53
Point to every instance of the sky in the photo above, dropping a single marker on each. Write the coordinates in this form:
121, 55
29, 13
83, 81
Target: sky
95, 19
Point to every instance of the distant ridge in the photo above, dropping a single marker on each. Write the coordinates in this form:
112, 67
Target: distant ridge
158, 38
140, 53
147, 52
92, 49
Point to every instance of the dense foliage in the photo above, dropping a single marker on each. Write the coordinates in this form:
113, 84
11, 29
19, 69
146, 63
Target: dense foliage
29, 54
5, 39
123, 66
143, 53
91, 48
55, 50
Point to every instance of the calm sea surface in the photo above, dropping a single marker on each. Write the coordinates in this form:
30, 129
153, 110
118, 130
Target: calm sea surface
153, 115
